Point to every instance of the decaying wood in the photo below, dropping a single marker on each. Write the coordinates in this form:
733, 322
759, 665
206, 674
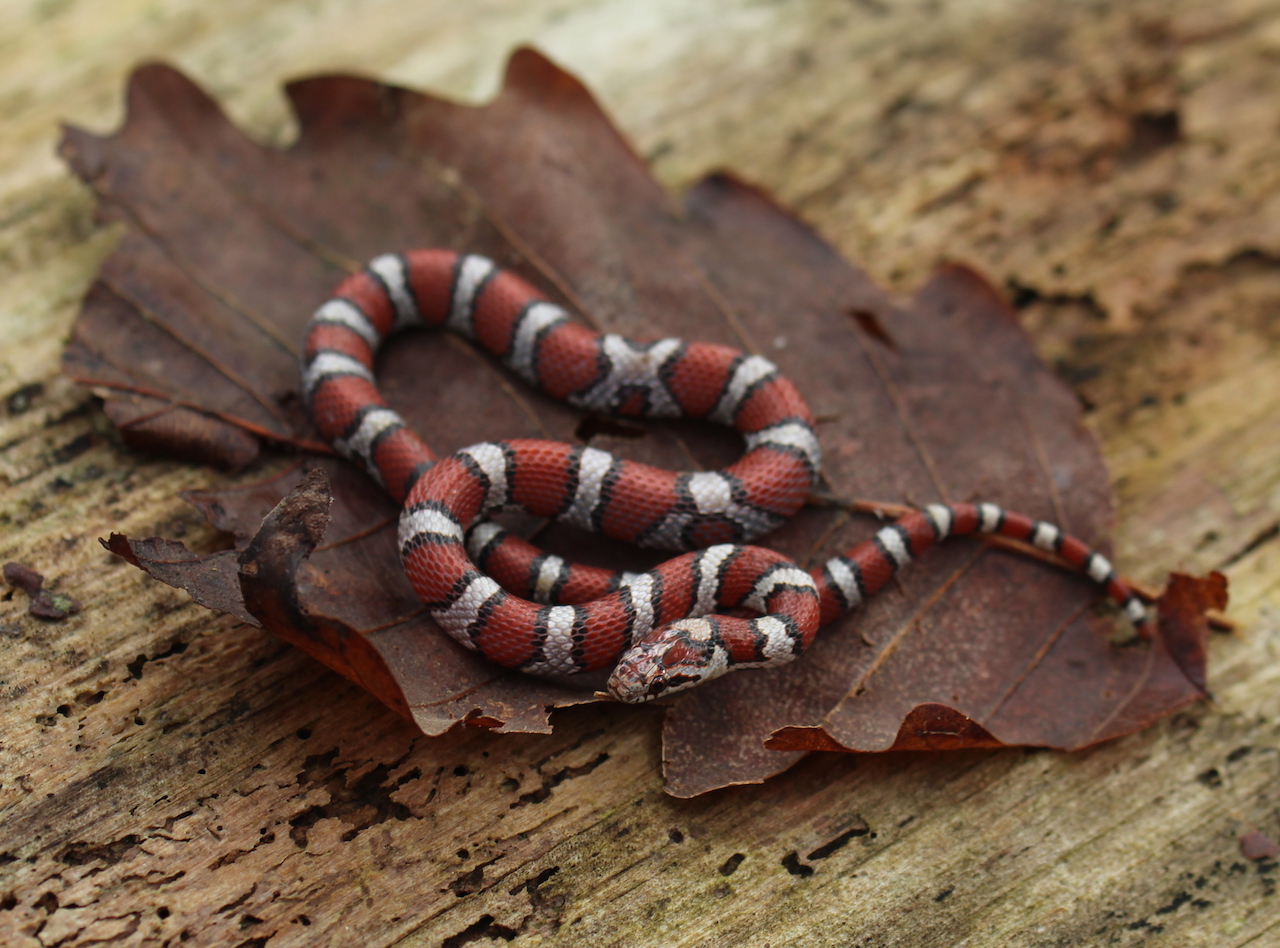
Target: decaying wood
168, 776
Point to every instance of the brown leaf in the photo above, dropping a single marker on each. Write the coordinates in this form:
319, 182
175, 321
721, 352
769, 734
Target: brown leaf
194, 326
1184, 627
212, 580
157, 426
402, 658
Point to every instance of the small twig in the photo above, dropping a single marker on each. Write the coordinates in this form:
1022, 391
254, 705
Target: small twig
883, 511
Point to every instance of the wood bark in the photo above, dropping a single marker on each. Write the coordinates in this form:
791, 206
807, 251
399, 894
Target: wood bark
168, 776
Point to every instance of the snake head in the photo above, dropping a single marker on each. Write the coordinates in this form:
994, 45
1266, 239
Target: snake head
671, 659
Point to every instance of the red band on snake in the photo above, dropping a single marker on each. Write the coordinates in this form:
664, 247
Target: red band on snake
533, 611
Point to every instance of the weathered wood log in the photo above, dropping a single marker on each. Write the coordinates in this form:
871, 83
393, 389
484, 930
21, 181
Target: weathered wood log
169, 777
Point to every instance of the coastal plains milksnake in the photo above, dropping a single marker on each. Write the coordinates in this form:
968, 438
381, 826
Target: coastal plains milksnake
530, 610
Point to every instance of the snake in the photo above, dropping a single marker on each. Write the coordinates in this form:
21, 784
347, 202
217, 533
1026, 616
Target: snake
723, 604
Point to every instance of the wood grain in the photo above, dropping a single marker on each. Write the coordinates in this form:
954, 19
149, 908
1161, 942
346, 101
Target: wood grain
169, 777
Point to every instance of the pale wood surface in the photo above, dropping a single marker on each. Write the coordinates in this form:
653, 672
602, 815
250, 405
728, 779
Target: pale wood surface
168, 777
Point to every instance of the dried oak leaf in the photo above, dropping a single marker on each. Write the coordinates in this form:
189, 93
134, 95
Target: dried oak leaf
191, 334
316, 576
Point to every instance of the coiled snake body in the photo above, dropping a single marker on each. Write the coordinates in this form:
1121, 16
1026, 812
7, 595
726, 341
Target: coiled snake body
531, 610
